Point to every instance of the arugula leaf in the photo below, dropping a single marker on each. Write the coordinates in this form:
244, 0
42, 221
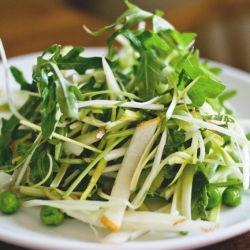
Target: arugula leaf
8, 130
40, 168
26, 110
160, 24
204, 88
80, 64
48, 111
19, 77
6, 156
25, 151
148, 76
64, 95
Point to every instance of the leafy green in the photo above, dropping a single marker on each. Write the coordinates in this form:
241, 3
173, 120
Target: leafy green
48, 111
205, 87
19, 77
149, 75
40, 164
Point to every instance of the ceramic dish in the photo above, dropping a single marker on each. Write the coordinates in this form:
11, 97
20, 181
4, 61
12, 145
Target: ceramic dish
25, 229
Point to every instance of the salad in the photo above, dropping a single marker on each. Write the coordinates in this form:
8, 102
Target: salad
140, 139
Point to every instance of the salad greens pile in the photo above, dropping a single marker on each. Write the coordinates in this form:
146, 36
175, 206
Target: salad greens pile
134, 141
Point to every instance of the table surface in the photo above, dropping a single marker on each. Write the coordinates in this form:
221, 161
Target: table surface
29, 26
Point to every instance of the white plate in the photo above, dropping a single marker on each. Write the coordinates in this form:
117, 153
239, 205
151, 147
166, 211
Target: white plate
25, 229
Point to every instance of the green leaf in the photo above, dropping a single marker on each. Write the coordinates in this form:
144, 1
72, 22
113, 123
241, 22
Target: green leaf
40, 168
19, 78
149, 75
64, 94
182, 39
205, 87
9, 126
25, 151
48, 111
73, 60
77, 93
22, 149
160, 24
6, 156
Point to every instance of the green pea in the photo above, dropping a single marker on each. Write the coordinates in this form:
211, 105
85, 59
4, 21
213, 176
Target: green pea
51, 215
8, 202
231, 196
213, 196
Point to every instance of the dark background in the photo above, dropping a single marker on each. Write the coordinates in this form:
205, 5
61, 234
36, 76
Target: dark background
223, 27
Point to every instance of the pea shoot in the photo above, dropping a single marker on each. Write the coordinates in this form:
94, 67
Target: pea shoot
231, 196
8, 202
51, 215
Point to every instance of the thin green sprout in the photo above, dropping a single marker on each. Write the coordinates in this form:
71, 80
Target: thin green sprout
58, 136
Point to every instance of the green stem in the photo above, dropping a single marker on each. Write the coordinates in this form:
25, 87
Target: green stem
90, 166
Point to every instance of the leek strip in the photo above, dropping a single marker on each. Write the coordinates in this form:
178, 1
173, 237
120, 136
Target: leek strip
175, 209
111, 104
210, 126
80, 215
58, 136
112, 217
202, 147
72, 204
138, 200
115, 153
144, 159
111, 91
112, 83
117, 237
175, 96
186, 190
139, 220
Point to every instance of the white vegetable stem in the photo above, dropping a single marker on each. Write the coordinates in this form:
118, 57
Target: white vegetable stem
113, 217
7, 81
111, 103
112, 83
153, 173
140, 220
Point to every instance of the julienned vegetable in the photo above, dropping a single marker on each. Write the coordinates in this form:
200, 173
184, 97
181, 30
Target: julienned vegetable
135, 141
